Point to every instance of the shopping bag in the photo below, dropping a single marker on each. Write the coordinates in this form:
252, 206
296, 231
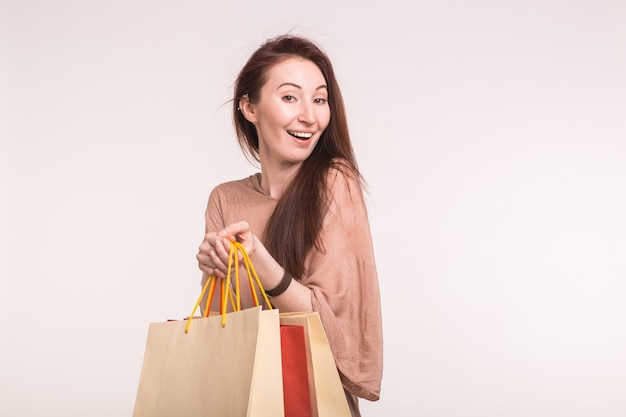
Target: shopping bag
213, 370
224, 365
296, 390
326, 390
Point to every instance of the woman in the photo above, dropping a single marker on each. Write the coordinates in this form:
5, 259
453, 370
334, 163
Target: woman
302, 219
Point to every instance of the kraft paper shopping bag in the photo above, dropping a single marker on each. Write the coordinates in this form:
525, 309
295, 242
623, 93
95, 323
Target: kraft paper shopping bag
327, 393
224, 365
212, 370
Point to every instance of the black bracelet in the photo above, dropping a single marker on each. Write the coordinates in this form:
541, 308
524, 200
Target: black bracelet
282, 287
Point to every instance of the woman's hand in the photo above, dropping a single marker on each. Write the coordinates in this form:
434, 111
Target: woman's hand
214, 251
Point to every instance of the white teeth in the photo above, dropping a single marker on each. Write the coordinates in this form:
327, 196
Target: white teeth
302, 135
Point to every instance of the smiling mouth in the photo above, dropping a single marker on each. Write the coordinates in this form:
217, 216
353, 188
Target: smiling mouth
300, 135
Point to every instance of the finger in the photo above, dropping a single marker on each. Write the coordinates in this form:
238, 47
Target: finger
232, 230
209, 239
222, 249
208, 243
205, 263
220, 264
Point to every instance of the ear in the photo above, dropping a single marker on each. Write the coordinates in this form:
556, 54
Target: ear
247, 109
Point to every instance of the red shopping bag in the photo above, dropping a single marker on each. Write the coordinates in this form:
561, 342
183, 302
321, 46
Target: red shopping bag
296, 392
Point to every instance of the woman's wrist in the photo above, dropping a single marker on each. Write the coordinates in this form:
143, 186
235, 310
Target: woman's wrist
282, 286
255, 245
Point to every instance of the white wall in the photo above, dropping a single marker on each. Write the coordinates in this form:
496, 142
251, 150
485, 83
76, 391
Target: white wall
492, 134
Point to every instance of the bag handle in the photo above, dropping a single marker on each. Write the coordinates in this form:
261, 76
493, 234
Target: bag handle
226, 293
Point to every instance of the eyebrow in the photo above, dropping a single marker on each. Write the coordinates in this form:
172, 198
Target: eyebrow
297, 86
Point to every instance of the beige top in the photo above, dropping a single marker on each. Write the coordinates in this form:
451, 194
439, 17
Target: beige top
343, 280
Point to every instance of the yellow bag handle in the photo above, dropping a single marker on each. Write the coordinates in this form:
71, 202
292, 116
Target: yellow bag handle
226, 293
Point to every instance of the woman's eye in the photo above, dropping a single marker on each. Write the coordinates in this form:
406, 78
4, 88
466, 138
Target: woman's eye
320, 101
289, 98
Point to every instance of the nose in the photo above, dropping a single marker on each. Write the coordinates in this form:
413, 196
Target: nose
307, 113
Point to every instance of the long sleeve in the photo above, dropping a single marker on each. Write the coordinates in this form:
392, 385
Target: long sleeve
345, 291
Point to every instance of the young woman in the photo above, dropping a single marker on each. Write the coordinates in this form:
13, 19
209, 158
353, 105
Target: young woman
302, 219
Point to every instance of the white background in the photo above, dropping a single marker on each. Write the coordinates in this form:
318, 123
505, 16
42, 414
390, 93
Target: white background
492, 135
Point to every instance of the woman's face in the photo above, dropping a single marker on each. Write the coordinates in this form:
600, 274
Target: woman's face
291, 113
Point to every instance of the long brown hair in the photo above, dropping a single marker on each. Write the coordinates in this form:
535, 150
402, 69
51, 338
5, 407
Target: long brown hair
295, 226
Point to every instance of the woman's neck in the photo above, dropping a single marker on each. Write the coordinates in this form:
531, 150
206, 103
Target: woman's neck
275, 178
